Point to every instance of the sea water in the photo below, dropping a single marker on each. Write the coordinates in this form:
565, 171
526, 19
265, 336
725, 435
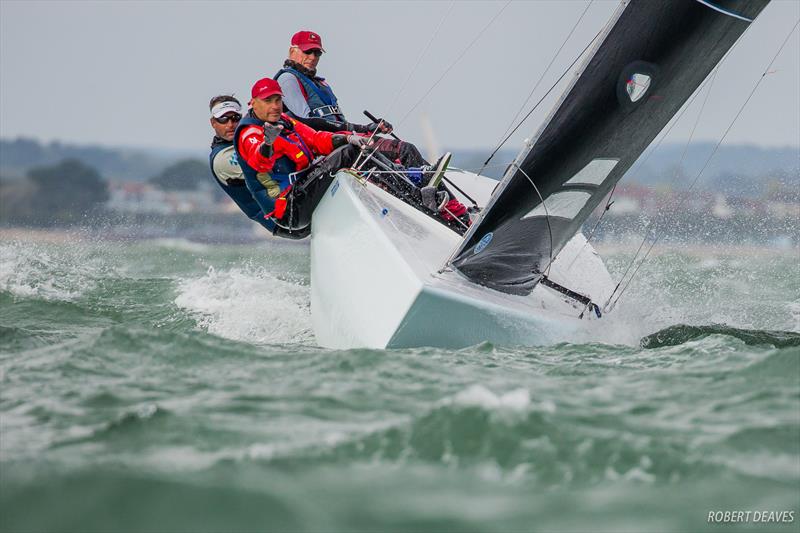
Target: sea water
175, 386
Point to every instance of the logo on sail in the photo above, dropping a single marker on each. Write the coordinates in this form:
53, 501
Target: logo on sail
636, 80
637, 85
483, 243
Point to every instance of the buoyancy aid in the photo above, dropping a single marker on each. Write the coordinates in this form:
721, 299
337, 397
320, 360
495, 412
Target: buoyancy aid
218, 145
318, 95
233, 187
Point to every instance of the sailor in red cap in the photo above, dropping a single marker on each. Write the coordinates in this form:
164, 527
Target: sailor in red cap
310, 98
275, 153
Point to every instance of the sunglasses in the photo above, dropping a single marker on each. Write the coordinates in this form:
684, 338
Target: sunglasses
314, 51
227, 118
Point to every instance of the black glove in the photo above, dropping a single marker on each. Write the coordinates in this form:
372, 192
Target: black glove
271, 132
357, 128
380, 127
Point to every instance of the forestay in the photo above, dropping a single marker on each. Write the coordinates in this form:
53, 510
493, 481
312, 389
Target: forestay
651, 58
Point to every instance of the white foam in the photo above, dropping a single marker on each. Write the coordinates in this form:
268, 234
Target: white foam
31, 270
181, 245
480, 396
684, 289
248, 304
794, 313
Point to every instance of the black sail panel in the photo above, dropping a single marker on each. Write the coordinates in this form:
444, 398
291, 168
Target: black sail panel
653, 56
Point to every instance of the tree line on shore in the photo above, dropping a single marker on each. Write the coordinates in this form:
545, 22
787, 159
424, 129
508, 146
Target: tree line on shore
72, 192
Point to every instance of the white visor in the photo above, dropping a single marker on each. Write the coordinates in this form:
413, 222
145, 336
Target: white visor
225, 107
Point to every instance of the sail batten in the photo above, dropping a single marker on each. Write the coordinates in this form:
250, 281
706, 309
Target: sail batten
647, 63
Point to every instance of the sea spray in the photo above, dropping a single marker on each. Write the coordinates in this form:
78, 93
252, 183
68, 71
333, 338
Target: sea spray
173, 373
250, 304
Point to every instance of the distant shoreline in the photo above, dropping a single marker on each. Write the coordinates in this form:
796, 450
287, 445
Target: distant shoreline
76, 235
41, 235
695, 249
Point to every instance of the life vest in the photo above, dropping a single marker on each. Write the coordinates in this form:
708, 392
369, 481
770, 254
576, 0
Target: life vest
236, 188
217, 146
318, 95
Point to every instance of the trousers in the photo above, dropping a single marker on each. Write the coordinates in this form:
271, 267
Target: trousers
307, 192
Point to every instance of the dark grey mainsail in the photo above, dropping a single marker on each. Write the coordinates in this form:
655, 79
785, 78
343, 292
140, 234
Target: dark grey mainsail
651, 58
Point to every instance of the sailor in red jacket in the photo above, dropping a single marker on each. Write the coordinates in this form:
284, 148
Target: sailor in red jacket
276, 151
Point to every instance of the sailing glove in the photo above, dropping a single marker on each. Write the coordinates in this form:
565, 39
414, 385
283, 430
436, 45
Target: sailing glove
357, 140
271, 132
385, 127
380, 127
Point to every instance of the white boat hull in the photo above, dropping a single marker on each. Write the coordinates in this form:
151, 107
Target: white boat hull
376, 280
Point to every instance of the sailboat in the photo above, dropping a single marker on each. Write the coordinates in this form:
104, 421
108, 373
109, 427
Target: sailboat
386, 275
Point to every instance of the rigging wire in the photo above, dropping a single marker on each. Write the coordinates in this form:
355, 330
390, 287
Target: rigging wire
546, 271
454, 63
705, 165
639, 164
652, 223
544, 73
609, 203
521, 122
419, 59
477, 222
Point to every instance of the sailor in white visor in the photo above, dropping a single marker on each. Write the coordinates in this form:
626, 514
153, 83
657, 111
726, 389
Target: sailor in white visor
226, 112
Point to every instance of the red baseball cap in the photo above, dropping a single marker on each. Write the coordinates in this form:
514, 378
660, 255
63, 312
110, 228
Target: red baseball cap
265, 87
307, 40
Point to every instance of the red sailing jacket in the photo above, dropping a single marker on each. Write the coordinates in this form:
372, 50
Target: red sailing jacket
299, 146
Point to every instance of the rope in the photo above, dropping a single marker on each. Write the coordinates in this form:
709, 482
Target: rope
454, 63
708, 160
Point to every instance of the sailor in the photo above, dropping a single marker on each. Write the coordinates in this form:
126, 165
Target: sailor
311, 99
226, 112
309, 96
276, 152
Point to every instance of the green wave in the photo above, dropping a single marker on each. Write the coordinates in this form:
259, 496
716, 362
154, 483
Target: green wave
681, 333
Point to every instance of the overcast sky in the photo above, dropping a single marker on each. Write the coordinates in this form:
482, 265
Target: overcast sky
140, 73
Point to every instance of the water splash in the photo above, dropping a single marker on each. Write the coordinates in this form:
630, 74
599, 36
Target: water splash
30, 270
738, 288
248, 304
